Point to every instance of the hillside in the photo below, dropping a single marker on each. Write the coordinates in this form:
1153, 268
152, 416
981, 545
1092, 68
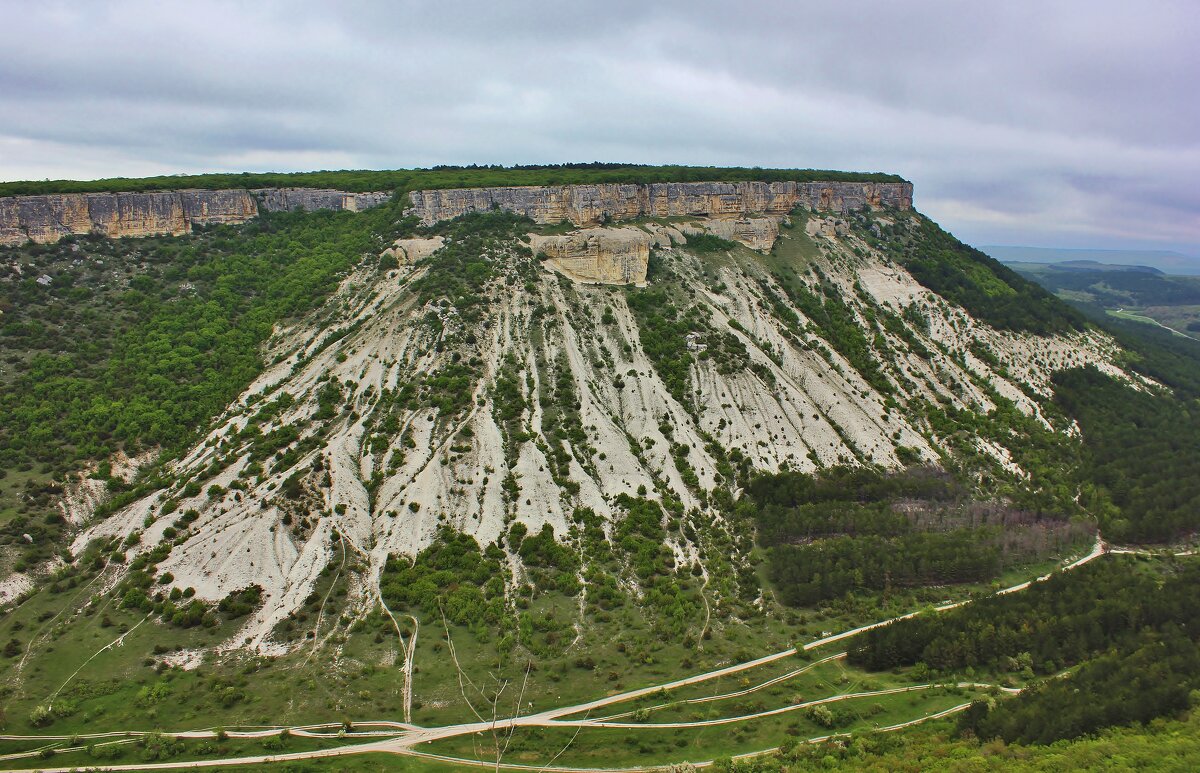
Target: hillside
1167, 261
565, 440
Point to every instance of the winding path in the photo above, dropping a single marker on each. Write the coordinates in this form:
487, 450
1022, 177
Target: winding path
402, 737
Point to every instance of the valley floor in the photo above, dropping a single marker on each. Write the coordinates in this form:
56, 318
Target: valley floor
742, 709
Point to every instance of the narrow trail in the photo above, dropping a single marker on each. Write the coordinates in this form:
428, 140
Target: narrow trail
16, 677
387, 747
410, 651
317, 641
1121, 313
1154, 553
776, 711
724, 696
407, 647
117, 642
70, 605
461, 675
707, 609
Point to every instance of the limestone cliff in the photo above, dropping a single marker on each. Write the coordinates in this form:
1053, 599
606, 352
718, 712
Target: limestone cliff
48, 218
730, 206
309, 199
592, 204
597, 255
620, 255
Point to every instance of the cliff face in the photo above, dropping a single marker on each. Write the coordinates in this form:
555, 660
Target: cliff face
597, 255
48, 218
153, 213
309, 199
591, 204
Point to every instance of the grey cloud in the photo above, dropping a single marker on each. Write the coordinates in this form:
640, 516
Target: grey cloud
1071, 122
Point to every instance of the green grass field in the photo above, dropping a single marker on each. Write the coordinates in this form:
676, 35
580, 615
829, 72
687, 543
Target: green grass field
355, 675
610, 747
126, 751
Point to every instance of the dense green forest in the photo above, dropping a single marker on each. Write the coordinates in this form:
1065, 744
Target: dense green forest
1060, 622
1136, 682
404, 180
1167, 745
1143, 448
1131, 630
186, 341
852, 529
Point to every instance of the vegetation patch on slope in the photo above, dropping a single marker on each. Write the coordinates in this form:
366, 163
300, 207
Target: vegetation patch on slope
1164, 744
136, 343
1142, 448
1060, 622
854, 529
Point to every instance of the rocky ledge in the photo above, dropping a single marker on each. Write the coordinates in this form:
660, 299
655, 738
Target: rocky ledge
595, 204
737, 210
597, 255
48, 218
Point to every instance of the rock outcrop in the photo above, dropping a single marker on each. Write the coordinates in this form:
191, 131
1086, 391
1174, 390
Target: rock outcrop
409, 251
665, 234
828, 227
593, 204
597, 255
757, 233
48, 218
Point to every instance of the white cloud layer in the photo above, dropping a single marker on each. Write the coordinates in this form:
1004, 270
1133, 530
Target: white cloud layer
1062, 124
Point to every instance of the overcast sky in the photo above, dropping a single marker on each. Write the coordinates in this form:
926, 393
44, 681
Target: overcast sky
1072, 124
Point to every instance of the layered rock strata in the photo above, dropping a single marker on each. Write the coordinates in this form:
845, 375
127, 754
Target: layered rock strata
310, 199
597, 255
757, 233
48, 218
593, 204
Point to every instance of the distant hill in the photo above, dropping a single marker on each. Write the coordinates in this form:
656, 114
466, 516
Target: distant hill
1167, 261
1095, 265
